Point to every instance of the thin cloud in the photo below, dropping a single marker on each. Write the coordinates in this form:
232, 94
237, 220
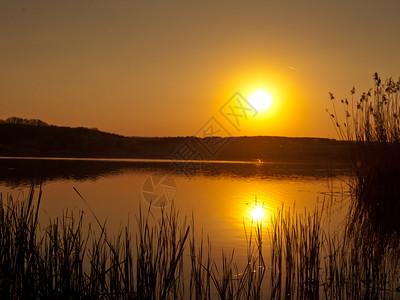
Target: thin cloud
293, 68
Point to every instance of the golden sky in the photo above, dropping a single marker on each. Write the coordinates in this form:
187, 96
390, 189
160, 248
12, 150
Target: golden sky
164, 68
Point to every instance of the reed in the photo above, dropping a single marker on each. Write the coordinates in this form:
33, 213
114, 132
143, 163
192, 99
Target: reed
295, 261
298, 260
371, 125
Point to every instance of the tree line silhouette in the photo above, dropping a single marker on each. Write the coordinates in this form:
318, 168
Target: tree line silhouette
27, 137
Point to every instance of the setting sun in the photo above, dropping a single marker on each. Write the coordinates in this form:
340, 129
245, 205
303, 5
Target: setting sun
260, 100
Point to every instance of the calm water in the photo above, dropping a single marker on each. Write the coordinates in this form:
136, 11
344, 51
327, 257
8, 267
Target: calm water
221, 195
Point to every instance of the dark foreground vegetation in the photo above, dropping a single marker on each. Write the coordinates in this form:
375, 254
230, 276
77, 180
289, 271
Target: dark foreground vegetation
294, 259
371, 125
21, 137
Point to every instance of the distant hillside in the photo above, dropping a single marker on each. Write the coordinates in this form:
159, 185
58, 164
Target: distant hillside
22, 137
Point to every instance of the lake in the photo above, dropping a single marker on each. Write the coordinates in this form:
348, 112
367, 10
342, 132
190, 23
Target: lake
223, 196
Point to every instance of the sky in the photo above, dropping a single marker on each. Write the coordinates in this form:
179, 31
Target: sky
166, 68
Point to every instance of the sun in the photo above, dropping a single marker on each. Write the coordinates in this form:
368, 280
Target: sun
260, 100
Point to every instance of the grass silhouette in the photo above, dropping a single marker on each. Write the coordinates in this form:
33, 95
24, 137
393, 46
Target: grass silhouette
298, 260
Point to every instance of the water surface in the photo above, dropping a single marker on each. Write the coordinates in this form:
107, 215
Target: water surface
222, 195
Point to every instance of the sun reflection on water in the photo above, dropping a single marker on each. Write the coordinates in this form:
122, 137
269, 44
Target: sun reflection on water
257, 213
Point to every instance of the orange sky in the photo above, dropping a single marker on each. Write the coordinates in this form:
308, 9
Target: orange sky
163, 68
